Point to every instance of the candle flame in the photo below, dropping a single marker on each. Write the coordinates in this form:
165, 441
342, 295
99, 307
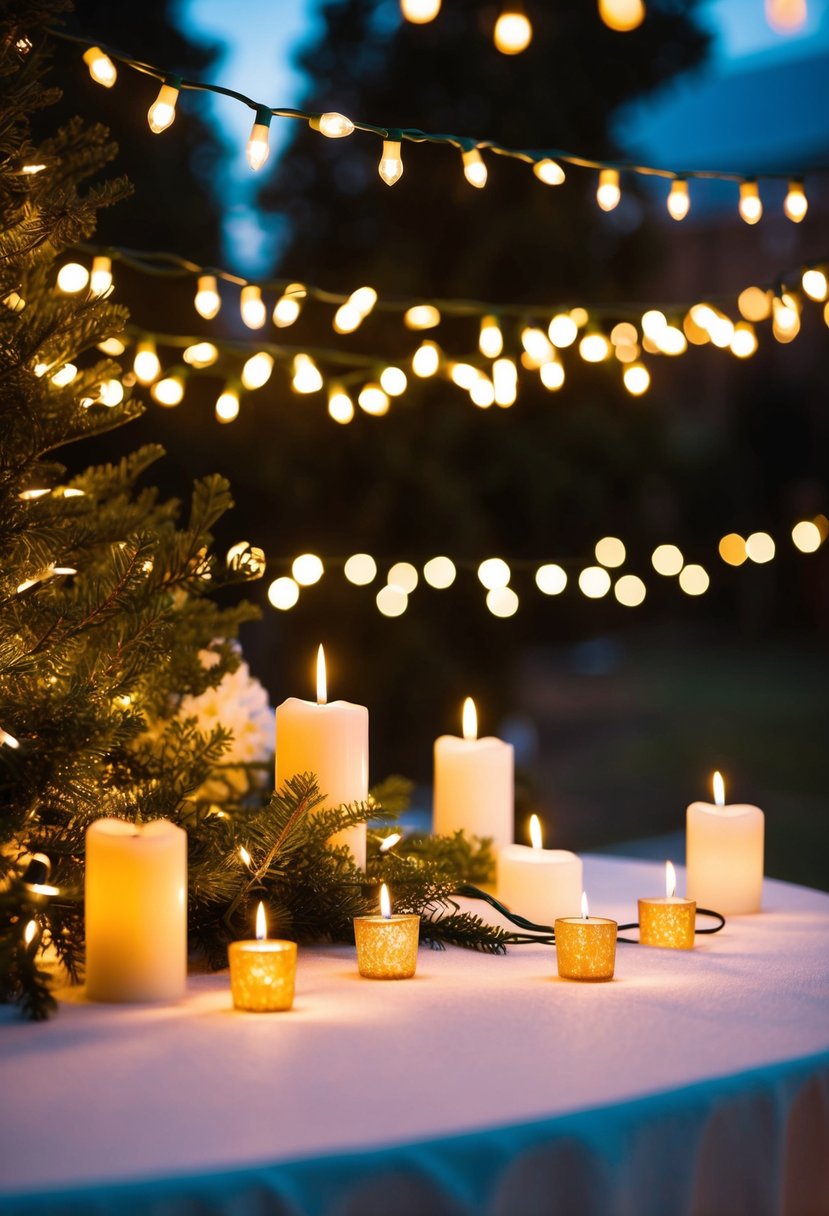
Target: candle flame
322, 684
29, 932
670, 880
385, 902
535, 832
245, 855
391, 841
470, 719
585, 911
261, 923
719, 789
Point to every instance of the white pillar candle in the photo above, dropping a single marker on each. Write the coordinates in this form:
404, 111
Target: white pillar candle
136, 911
330, 740
724, 848
539, 884
474, 783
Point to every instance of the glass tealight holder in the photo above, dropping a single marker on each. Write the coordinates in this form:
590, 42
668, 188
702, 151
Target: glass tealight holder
667, 922
585, 948
262, 974
387, 946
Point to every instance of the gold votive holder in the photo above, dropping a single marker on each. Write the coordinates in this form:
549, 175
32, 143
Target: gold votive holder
262, 974
387, 946
667, 922
585, 948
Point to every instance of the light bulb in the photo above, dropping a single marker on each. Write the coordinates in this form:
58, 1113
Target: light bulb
252, 306
744, 340
426, 360
257, 149
593, 348
306, 378
393, 381
622, 15
287, 307
421, 316
111, 393
332, 125
562, 330
168, 391
163, 110
513, 32
207, 300
146, 364
751, 208
464, 375
815, 284
340, 405
474, 169
373, 400
505, 382
419, 12
72, 278
257, 370
101, 68
552, 375
636, 378
490, 340
608, 192
64, 375
201, 354
549, 172
482, 393
100, 280
358, 305
537, 345
796, 204
227, 405
391, 162
679, 203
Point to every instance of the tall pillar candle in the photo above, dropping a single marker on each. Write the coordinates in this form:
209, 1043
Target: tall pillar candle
330, 740
136, 911
474, 783
539, 884
724, 854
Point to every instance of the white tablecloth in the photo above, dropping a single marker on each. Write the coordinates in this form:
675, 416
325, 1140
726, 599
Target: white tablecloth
696, 1082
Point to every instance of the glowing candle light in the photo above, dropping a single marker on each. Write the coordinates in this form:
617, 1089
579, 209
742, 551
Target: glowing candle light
585, 946
473, 783
725, 854
670, 921
540, 884
387, 944
262, 970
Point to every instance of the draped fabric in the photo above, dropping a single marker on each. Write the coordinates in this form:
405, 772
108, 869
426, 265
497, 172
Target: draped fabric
695, 1084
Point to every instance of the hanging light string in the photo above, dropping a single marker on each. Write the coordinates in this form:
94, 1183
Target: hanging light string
546, 163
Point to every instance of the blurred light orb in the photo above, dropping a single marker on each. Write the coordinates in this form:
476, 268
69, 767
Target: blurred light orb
667, 560
786, 16
283, 593
550, 579
806, 536
420, 12
815, 285
608, 191
72, 278
227, 405
732, 549
513, 32
403, 575
257, 370
168, 391
610, 551
502, 601
340, 406
653, 322
744, 341
201, 354
624, 334
694, 580
549, 172
372, 400
622, 15
393, 381
464, 374
760, 547
594, 582
552, 374
440, 572
421, 316
629, 590
392, 601
426, 360
482, 393
755, 304
562, 331
307, 569
593, 348
360, 569
637, 379
493, 573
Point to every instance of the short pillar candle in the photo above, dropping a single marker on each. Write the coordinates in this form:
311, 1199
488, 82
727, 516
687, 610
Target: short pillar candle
724, 854
540, 884
585, 946
136, 911
262, 971
387, 944
668, 922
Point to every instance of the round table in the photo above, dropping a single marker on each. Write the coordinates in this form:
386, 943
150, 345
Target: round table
696, 1082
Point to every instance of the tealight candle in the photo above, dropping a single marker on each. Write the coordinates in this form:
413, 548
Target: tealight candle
474, 783
585, 946
670, 921
262, 972
136, 911
541, 884
330, 740
386, 944
724, 849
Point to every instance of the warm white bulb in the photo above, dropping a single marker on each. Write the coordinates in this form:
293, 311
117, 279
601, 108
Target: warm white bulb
426, 360
421, 316
474, 169
622, 15
391, 162
258, 149
593, 348
505, 382
536, 345
72, 278
751, 208
201, 354
796, 204
287, 307
490, 339
101, 68
608, 192
340, 405
111, 393
636, 378
815, 284
100, 279
306, 378
207, 301
744, 340
420, 12
168, 391
146, 364
549, 172
679, 203
373, 400
163, 110
333, 125
551, 374
227, 405
393, 381
252, 306
64, 375
513, 32
562, 330
257, 370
